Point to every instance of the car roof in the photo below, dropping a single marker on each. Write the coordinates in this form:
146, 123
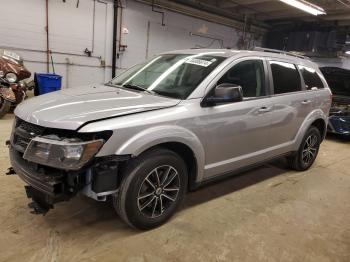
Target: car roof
267, 53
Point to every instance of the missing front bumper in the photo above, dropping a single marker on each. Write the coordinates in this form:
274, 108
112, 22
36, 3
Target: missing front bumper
48, 187
41, 204
51, 185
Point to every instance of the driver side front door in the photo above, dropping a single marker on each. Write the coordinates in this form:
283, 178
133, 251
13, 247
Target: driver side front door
237, 133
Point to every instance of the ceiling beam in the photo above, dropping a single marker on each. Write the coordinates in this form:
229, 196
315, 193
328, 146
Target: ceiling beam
338, 17
204, 12
244, 4
219, 11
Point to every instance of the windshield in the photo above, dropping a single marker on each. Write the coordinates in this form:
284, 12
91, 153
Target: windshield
172, 75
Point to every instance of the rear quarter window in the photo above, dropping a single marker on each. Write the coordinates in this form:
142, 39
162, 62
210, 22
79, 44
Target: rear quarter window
286, 78
311, 77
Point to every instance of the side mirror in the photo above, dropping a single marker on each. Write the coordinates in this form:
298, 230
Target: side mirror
225, 93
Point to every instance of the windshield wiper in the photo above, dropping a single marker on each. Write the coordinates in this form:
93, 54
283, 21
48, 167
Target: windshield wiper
130, 86
140, 88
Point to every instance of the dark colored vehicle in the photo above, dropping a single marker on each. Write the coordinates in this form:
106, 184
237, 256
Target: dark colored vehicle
339, 117
12, 88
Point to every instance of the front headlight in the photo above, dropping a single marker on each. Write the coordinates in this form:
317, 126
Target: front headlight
11, 77
63, 154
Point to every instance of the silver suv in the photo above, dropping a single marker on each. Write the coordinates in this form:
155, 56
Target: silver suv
167, 126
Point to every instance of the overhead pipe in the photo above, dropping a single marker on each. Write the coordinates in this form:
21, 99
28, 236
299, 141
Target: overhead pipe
93, 27
115, 29
47, 38
44, 51
159, 12
71, 64
221, 41
121, 46
103, 62
205, 15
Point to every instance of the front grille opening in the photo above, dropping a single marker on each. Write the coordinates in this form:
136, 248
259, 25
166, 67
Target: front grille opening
29, 127
35, 130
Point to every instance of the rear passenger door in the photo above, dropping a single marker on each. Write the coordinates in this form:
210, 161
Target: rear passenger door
291, 101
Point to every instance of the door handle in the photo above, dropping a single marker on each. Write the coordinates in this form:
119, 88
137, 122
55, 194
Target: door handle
264, 109
306, 102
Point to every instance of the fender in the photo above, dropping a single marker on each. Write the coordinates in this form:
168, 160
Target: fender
312, 117
164, 134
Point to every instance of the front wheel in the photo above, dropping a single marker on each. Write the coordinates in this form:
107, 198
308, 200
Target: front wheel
152, 189
307, 152
4, 107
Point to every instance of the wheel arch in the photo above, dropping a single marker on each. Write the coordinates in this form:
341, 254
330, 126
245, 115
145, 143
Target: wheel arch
182, 141
187, 155
321, 125
317, 119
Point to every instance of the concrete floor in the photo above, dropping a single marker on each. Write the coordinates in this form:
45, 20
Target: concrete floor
268, 214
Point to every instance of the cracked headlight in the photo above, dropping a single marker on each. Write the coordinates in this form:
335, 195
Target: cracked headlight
63, 154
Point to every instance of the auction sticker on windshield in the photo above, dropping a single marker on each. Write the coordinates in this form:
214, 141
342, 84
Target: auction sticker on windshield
200, 62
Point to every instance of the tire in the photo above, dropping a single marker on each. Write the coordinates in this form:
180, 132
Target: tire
4, 107
142, 201
307, 152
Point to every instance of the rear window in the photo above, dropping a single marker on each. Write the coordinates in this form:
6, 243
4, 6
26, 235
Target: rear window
285, 76
311, 78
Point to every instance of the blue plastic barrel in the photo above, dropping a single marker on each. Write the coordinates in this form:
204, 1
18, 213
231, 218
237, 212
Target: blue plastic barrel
47, 83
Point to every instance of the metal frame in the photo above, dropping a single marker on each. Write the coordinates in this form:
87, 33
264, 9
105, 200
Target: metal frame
262, 49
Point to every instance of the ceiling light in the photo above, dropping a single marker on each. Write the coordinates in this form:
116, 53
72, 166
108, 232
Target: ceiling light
347, 52
305, 6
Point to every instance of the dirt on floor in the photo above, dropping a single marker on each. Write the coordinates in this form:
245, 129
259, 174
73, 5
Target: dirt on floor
267, 214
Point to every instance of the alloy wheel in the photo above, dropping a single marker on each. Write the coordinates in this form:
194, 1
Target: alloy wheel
158, 191
310, 149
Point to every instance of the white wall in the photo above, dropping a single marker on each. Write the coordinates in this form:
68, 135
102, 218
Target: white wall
22, 26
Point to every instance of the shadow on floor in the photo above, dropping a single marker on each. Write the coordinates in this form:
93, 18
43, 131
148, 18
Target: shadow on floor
82, 212
234, 183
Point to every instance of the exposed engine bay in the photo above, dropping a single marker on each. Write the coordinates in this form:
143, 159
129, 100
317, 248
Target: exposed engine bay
339, 116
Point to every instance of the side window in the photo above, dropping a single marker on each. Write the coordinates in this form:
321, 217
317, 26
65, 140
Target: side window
286, 77
249, 75
311, 78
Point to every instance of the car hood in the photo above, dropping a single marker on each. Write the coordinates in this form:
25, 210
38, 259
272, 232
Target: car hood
71, 108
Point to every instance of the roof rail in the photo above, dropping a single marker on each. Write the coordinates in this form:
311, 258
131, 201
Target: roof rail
262, 49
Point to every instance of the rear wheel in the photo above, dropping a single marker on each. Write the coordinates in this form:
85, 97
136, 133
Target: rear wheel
4, 107
153, 187
308, 150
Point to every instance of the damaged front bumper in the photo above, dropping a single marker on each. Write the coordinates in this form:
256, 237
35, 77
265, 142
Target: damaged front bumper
47, 185
45, 190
